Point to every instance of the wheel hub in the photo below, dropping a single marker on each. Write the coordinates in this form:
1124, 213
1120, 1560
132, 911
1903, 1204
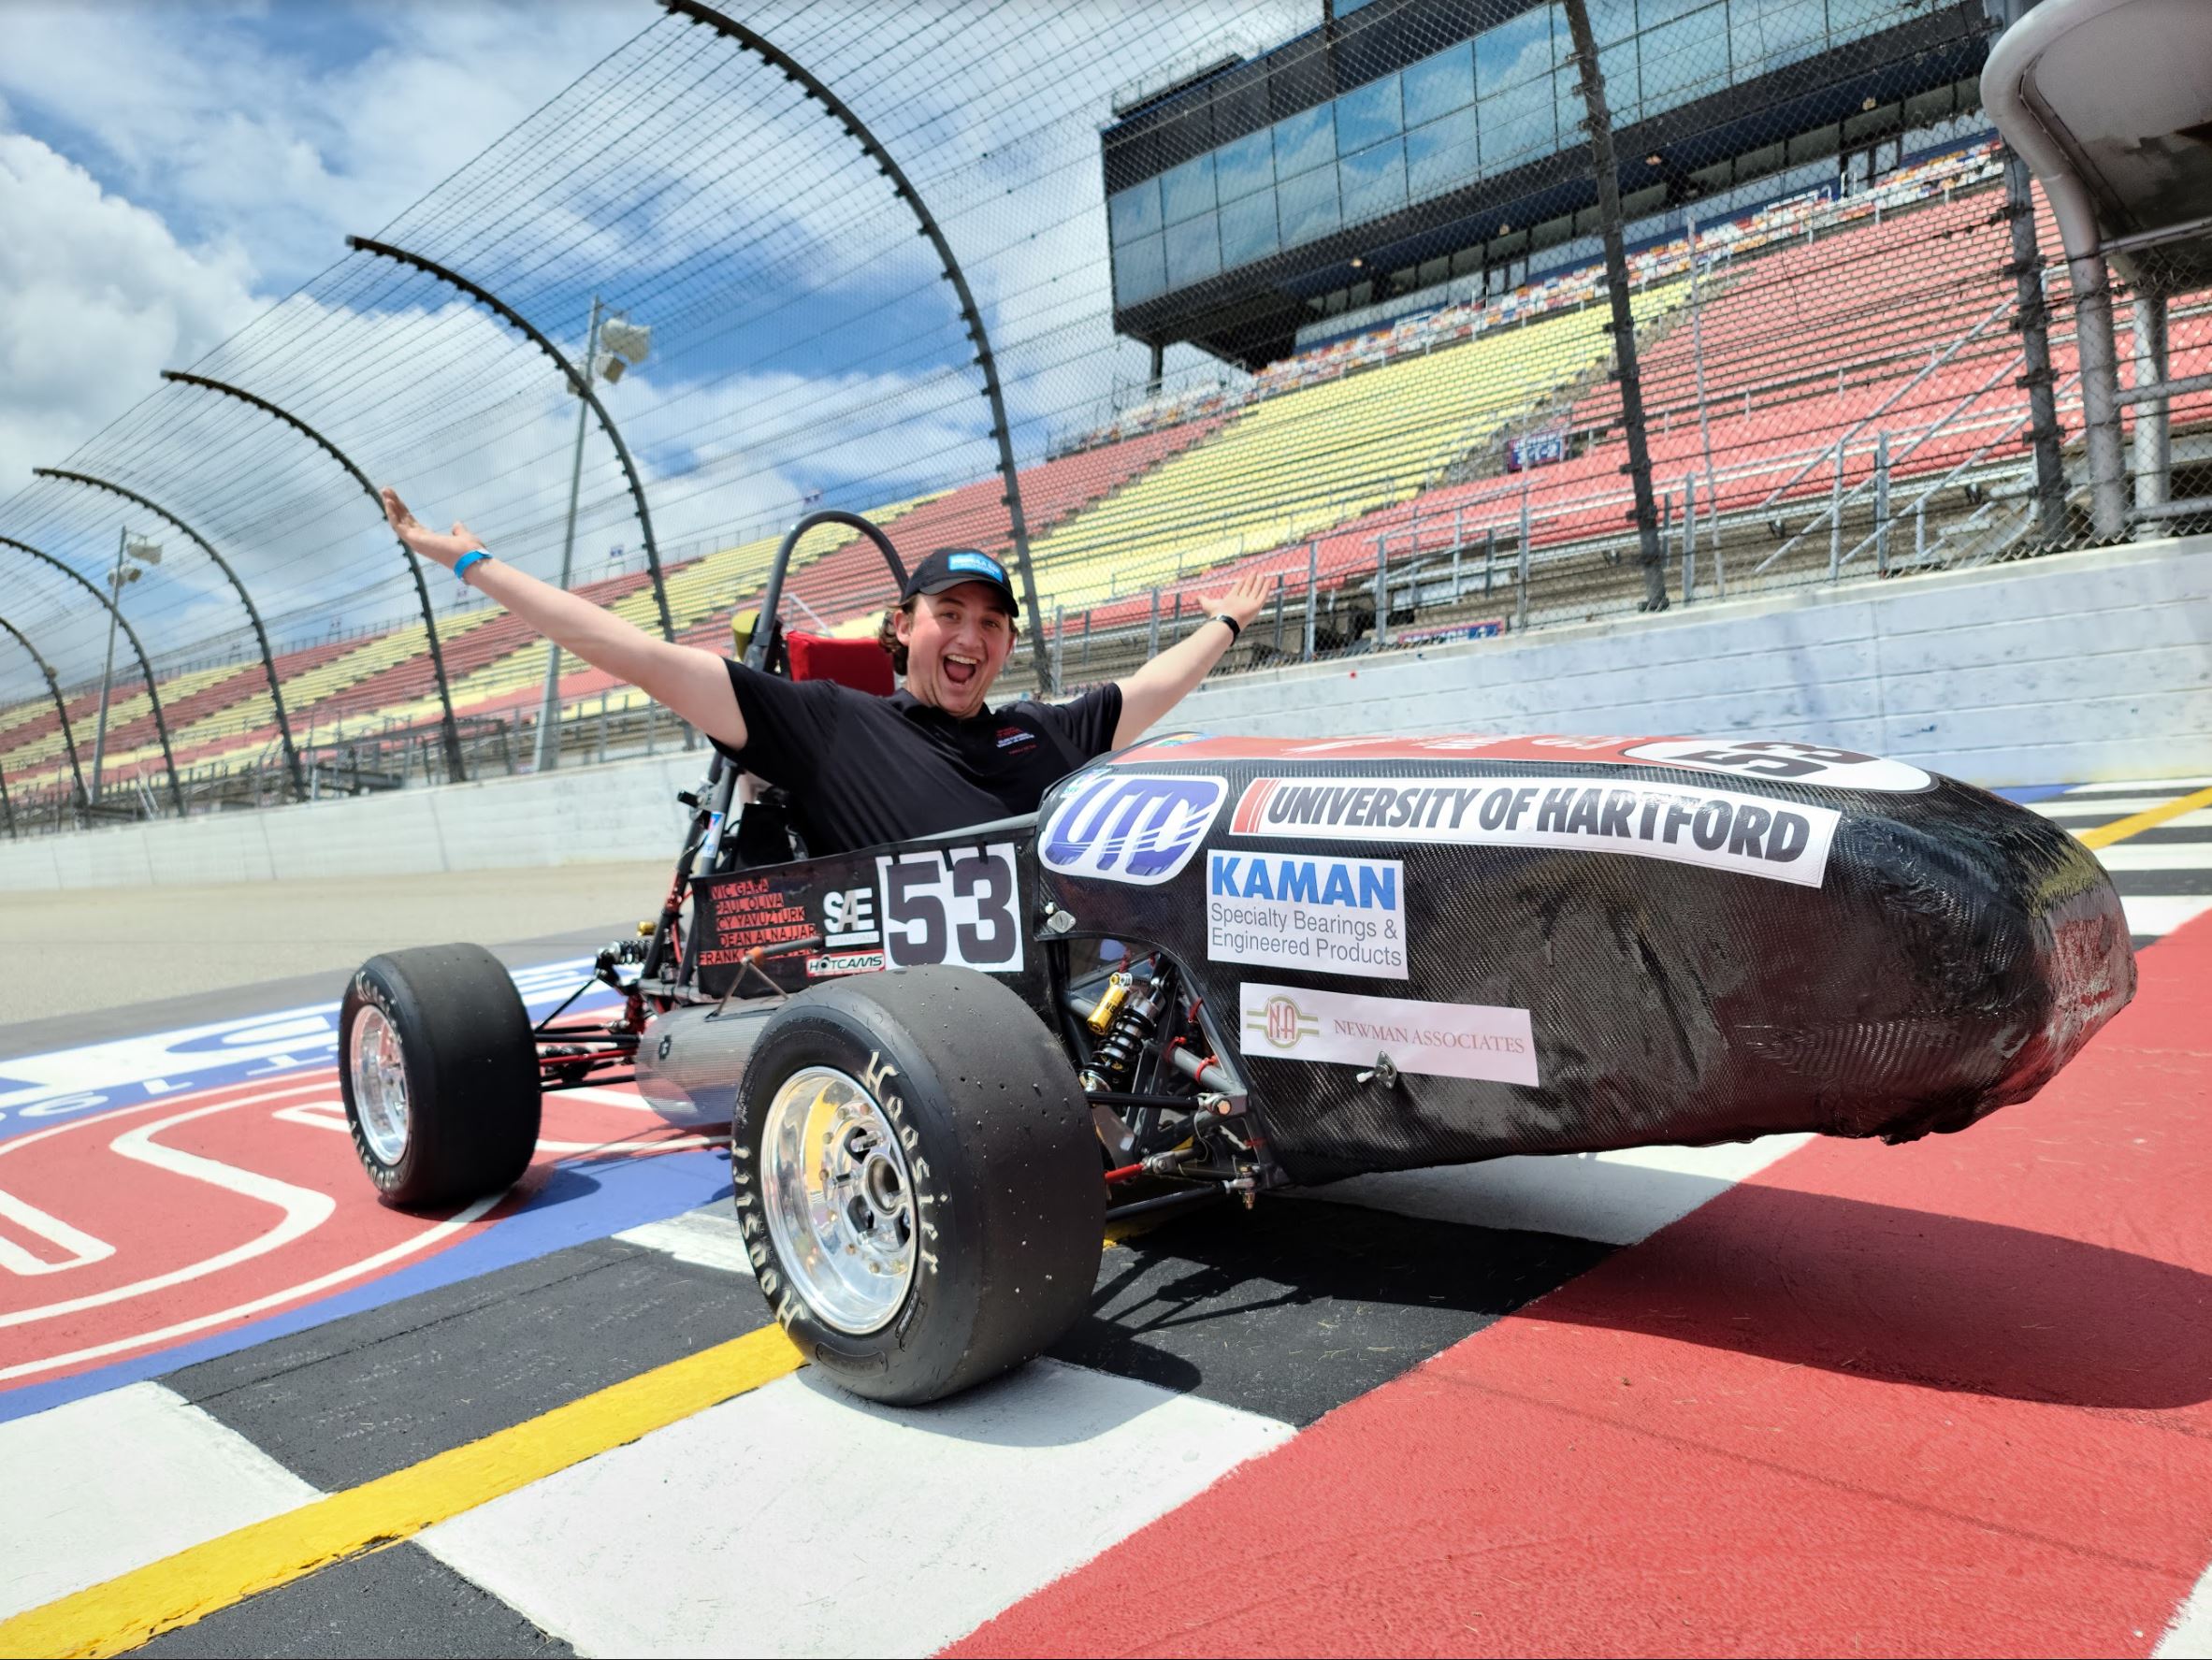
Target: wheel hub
840, 1202
379, 1084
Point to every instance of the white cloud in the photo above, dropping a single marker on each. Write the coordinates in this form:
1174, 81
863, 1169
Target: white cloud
98, 298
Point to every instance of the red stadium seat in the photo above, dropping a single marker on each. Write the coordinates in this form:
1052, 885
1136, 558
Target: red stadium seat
861, 664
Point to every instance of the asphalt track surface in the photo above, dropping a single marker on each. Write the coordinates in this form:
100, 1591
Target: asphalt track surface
1797, 1396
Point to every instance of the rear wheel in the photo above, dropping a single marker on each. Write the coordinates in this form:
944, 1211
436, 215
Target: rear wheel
918, 1181
438, 1069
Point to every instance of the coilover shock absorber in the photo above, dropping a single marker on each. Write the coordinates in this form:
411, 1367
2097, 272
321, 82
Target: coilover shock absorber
1133, 1022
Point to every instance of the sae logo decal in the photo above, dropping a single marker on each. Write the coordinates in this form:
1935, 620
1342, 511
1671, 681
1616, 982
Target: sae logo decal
1129, 827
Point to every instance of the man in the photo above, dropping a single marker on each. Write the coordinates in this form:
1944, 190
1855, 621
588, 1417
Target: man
864, 771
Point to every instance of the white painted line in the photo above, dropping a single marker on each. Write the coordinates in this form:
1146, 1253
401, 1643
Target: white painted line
804, 1521
2190, 1637
2076, 810
83, 1247
708, 1238
2161, 914
1614, 1198
112, 1483
304, 1210
2157, 856
2173, 787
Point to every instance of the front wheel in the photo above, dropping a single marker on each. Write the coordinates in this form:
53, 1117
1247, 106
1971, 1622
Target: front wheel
438, 1069
918, 1181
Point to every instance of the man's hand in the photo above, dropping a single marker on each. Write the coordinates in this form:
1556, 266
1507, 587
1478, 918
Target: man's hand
1241, 600
425, 542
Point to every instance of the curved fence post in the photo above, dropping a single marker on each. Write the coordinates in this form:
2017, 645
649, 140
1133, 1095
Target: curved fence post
161, 721
777, 58
579, 384
453, 768
268, 665
61, 709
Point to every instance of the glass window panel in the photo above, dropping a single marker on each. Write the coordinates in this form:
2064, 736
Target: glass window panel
1650, 14
1513, 51
1193, 251
1373, 182
1304, 140
1369, 115
1140, 269
1306, 206
1624, 102
1767, 34
1517, 124
1849, 19
1247, 229
1612, 20
1135, 212
1684, 59
1244, 166
1568, 108
1187, 191
1437, 85
1440, 157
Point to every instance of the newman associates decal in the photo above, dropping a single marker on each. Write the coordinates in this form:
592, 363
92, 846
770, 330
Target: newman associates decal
1326, 916
1719, 829
1450, 1039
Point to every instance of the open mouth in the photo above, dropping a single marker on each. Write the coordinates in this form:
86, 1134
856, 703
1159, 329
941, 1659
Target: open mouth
960, 670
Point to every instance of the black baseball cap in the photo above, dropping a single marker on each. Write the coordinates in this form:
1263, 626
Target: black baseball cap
947, 568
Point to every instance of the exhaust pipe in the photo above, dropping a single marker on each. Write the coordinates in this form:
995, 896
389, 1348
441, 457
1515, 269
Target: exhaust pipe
690, 1061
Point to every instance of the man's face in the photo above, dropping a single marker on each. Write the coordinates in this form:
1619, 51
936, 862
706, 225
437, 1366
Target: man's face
956, 643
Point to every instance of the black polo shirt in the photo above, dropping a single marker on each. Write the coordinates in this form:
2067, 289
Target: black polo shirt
862, 770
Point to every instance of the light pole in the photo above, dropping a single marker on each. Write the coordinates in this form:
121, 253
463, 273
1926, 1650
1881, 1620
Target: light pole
118, 578
628, 343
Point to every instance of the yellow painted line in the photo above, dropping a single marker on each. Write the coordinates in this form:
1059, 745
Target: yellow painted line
179, 1590
2120, 830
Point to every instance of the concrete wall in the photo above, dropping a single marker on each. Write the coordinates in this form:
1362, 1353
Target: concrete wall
2086, 666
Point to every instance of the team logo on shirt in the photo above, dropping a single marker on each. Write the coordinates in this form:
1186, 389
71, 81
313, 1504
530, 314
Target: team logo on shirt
1129, 827
1017, 738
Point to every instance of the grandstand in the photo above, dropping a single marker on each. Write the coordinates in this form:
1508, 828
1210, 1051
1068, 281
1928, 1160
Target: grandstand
1830, 363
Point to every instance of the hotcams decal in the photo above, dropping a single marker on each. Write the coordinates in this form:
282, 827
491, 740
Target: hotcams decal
833, 963
1140, 827
1326, 916
1782, 840
1452, 1040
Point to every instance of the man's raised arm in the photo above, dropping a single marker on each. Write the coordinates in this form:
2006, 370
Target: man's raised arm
693, 682
1147, 695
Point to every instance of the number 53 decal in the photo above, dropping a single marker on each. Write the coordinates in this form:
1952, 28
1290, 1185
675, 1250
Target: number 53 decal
960, 905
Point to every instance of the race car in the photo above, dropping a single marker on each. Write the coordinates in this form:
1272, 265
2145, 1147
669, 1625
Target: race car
1212, 966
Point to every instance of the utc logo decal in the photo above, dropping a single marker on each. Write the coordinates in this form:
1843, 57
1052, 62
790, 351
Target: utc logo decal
1138, 828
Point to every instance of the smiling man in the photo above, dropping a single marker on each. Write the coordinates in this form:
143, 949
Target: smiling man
863, 771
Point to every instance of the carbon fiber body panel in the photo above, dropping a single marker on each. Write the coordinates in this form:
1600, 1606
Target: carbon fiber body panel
1773, 938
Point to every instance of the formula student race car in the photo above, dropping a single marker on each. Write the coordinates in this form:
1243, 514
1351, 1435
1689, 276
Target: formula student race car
1212, 966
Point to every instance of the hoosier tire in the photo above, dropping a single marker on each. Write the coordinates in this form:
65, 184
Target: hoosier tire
917, 1180
439, 1068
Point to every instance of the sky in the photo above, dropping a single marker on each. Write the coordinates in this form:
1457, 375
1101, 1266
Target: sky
172, 174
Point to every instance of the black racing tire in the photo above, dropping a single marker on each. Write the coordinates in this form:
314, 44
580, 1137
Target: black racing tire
994, 1141
467, 1063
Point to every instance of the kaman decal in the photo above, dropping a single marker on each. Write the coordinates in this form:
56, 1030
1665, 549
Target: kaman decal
1720, 829
1325, 916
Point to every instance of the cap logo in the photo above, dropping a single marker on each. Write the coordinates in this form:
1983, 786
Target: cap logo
981, 563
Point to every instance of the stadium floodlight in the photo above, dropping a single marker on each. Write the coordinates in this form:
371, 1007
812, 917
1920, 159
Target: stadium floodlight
628, 340
138, 547
147, 552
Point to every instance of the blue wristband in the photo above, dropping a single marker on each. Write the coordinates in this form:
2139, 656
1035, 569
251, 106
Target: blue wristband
473, 557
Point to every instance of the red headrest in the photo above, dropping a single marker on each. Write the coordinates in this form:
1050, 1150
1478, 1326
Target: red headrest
861, 664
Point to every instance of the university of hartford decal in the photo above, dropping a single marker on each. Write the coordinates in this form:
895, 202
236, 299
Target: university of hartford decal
1140, 827
1690, 824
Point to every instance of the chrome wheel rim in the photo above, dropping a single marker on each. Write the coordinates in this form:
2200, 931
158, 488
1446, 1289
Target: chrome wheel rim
379, 1084
840, 1201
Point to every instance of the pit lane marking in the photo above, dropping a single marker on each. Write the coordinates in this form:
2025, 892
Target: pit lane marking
83, 1247
179, 1590
2120, 830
